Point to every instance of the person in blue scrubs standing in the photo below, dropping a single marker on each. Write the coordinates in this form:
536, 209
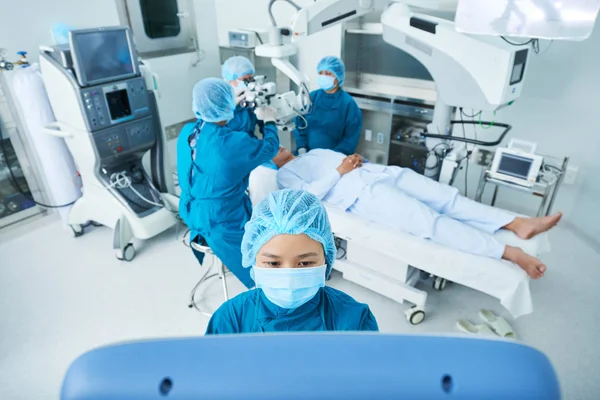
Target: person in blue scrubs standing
237, 71
214, 163
289, 245
335, 121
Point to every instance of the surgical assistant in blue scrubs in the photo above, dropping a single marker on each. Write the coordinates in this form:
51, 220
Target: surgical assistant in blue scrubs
213, 165
335, 121
237, 71
289, 246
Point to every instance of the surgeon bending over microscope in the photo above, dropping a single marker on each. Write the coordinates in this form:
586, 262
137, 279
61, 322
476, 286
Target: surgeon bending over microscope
214, 163
402, 199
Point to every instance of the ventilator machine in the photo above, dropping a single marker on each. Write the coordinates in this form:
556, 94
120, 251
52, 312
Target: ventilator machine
109, 120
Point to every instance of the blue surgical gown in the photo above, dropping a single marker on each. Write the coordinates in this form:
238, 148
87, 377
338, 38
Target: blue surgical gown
329, 310
334, 123
214, 203
244, 120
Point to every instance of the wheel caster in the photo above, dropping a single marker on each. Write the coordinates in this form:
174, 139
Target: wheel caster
190, 305
439, 283
128, 253
77, 230
414, 315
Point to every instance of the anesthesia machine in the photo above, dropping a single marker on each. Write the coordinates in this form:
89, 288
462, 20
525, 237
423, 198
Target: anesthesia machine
109, 120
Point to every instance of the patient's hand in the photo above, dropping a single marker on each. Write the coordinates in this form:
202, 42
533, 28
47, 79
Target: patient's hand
349, 164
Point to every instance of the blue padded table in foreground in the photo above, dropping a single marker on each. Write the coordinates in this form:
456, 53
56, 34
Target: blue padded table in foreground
313, 366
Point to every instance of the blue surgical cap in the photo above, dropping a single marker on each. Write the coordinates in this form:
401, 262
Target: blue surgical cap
335, 66
235, 67
288, 212
60, 32
213, 100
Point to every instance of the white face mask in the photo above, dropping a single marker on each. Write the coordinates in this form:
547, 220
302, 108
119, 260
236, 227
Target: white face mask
241, 85
290, 287
326, 82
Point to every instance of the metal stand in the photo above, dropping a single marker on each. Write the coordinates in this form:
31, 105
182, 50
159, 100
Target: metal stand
204, 281
547, 192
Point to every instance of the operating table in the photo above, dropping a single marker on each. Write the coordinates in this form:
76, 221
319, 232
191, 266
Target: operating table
390, 262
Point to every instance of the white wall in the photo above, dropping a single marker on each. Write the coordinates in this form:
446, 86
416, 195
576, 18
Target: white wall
26, 24
232, 14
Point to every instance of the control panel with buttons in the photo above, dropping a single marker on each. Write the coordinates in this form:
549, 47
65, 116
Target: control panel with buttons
110, 104
117, 142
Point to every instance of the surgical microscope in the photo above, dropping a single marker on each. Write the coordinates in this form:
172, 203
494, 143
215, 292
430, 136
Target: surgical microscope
287, 105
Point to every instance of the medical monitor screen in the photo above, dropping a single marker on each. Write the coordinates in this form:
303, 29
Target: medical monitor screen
102, 56
118, 104
518, 67
513, 165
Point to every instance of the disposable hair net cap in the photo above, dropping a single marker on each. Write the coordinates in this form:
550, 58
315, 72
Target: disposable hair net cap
236, 66
60, 32
213, 100
335, 66
288, 212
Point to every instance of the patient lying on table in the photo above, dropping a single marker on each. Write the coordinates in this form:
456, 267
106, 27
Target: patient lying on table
400, 198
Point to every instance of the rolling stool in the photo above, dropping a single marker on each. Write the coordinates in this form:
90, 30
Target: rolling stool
204, 248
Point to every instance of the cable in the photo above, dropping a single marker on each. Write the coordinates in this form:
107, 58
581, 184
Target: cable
474, 128
299, 115
15, 183
555, 168
496, 142
547, 48
437, 156
258, 37
470, 116
441, 144
517, 44
120, 180
303, 119
535, 44
489, 124
468, 154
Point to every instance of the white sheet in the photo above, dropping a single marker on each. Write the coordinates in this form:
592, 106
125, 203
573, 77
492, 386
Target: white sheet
501, 279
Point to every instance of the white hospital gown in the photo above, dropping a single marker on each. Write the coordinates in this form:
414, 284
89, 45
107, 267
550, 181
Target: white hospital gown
399, 198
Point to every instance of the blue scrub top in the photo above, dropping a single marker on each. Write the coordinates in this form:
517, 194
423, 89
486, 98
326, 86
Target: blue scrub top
216, 197
334, 123
329, 310
244, 120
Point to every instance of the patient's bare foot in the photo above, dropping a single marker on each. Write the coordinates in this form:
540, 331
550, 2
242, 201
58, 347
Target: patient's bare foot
534, 267
526, 228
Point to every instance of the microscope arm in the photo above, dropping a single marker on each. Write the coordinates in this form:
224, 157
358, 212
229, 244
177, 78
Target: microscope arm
325, 13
